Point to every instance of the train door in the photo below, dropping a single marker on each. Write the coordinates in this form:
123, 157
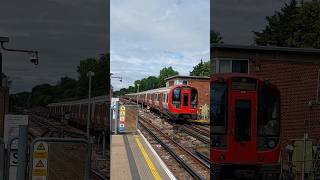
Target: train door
185, 100
161, 102
242, 126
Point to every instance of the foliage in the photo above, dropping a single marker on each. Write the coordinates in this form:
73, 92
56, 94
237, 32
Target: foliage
296, 25
165, 73
68, 88
201, 69
148, 83
215, 37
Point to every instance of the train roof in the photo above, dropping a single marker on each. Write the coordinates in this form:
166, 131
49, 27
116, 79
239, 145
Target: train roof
82, 101
157, 90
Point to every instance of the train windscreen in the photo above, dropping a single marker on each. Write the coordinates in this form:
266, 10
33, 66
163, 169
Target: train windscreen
218, 110
194, 98
176, 97
269, 115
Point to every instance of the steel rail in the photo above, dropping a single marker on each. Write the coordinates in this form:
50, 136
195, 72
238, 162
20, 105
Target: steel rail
195, 134
97, 175
189, 169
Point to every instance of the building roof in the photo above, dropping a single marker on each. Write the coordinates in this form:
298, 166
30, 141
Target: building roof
188, 77
264, 48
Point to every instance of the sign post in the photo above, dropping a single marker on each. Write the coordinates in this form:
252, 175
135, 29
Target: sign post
122, 118
12, 123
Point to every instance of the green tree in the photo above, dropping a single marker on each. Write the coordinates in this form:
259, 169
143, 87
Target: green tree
100, 81
165, 73
215, 37
295, 25
201, 69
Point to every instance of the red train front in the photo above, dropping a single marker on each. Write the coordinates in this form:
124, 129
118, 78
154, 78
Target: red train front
245, 129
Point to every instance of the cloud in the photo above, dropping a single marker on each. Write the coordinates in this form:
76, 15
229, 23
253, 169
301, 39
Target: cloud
147, 36
64, 32
236, 20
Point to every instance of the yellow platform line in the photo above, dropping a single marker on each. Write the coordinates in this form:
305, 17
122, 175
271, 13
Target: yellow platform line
148, 160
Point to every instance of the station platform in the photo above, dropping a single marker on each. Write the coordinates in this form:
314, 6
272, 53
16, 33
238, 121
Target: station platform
132, 157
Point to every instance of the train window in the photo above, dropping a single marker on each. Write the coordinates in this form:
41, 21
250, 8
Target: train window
194, 98
242, 120
230, 65
176, 97
218, 110
269, 115
240, 66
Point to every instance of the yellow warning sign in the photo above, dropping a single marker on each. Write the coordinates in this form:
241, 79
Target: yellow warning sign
40, 164
40, 154
39, 172
122, 113
41, 147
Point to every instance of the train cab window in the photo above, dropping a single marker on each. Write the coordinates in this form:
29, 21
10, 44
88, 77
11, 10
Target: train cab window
269, 115
194, 98
218, 109
176, 97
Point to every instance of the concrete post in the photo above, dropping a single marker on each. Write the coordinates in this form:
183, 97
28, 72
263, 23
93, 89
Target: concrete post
22, 152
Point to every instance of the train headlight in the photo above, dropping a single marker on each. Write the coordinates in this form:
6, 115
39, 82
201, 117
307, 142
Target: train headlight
219, 141
271, 143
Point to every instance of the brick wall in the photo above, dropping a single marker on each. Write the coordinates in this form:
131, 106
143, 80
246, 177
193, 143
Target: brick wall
297, 83
203, 91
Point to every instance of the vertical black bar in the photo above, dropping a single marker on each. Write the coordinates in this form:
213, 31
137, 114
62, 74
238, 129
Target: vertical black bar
22, 152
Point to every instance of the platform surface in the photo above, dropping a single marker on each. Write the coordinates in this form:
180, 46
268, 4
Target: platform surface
132, 157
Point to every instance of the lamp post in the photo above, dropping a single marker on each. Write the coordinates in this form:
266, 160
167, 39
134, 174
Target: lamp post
90, 74
138, 95
33, 59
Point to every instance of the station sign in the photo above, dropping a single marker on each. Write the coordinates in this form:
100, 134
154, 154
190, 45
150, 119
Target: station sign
40, 161
128, 119
11, 128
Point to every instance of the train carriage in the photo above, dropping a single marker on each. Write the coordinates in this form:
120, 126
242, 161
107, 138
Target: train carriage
78, 111
245, 129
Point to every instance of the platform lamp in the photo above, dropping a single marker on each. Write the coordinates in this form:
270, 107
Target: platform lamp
33, 59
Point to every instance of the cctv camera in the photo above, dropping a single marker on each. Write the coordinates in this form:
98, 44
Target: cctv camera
34, 58
34, 61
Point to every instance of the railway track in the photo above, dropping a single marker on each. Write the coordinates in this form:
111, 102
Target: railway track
195, 166
42, 127
95, 175
196, 133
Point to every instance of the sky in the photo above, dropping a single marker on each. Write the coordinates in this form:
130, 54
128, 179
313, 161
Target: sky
236, 20
147, 36
64, 32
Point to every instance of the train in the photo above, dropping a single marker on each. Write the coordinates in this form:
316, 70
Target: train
76, 112
178, 102
245, 127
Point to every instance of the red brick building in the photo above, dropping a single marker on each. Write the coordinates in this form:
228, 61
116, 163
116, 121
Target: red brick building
201, 83
296, 72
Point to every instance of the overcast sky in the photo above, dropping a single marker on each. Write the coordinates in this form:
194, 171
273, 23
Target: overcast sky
63, 31
237, 19
148, 35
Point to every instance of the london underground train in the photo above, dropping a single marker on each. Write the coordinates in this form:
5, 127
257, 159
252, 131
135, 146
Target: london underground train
177, 102
245, 127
